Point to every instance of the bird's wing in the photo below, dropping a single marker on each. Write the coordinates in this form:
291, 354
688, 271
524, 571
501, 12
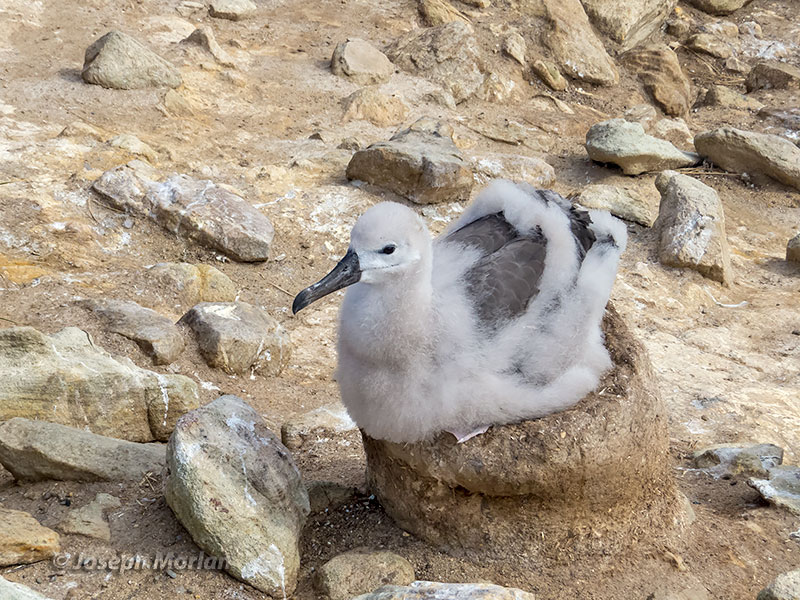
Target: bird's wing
487, 234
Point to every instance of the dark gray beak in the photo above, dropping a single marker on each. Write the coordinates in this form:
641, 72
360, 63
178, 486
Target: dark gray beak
347, 272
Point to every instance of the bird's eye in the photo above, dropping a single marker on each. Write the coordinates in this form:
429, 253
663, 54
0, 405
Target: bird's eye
388, 249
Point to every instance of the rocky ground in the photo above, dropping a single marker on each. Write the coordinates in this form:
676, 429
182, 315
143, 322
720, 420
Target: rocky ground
247, 98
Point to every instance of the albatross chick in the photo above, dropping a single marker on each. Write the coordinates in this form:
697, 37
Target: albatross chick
497, 320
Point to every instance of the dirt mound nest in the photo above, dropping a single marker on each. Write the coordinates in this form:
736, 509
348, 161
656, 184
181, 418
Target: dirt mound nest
591, 479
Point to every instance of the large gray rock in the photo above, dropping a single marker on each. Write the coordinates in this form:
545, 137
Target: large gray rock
119, 61
38, 450
23, 540
662, 77
421, 163
431, 590
90, 520
361, 62
239, 338
626, 203
64, 378
782, 488
726, 460
10, 590
236, 489
360, 571
156, 335
785, 586
692, 227
628, 23
757, 154
793, 249
719, 7
447, 55
627, 145
773, 75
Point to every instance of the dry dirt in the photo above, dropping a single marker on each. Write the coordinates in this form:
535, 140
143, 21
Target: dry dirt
727, 374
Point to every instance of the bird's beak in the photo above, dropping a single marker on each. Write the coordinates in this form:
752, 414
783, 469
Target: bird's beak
347, 272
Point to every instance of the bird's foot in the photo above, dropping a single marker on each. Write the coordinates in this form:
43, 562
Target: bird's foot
463, 436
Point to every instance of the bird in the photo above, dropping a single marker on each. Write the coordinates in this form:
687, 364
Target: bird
497, 320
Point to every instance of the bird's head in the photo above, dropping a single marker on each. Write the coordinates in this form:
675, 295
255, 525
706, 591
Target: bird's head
388, 243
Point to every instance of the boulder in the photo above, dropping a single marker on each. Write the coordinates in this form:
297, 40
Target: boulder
785, 586
719, 7
627, 203
10, 590
692, 227
628, 23
90, 520
371, 105
793, 249
326, 423
236, 489
361, 62
431, 590
726, 460
125, 187
188, 284
773, 75
233, 10
360, 571
117, 60
662, 78
781, 488
23, 540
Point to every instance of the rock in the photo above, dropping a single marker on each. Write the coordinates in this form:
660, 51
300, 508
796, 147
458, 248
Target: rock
793, 249
710, 44
327, 495
239, 338
118, 61
79, 129
628, 23
361, 62
496, 87
329, 422
89, 520
724, 28
233, 10
785, 586
576, 49
692, 227
439, 12
130, 143
514, 45
420, 163
10, 590
38, 450
678, 25
447, 55
360, 571
23, 540
725, 97
625, 203
550, 75
237, 491
379, 109
157, 336
189, 284
719, 7
787, 117
430, 590
641, 113
773, 75
758, 154
736, 65
627, 145
662, 77
64, 378
125, 187
515, 167
204, 37
781, 489
725, 460
675, 131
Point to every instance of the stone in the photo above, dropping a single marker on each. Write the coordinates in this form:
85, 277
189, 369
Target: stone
710, 44
782, 488
793, 249
38, 450
371, 105
329, 422
550, 75
641, 113
628, 23
786, 117
773, 75
726, 460
514, 45
233, 10
157, 336
130, 143
692, 227
65, 378
118, 61
90, 520
204, 37
675, 131
239, 338
625, 203
430, 590
719, 7
737, 65
360, 571
757, 154
361, 62
679, 25
189, 284
447, 55
125, 187
420, 163
439, 12
725, 97
237, 491
328, 495
515, 167
496, 87
576, 49
724, 28
785, 586
10, 590
627, 145
23, 540
662, 77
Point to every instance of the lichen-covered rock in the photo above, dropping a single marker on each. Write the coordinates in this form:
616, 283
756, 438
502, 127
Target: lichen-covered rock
23, 540
431, 590
360, 571
550, 75
662, 77
628, 23
236, 489
361, 62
